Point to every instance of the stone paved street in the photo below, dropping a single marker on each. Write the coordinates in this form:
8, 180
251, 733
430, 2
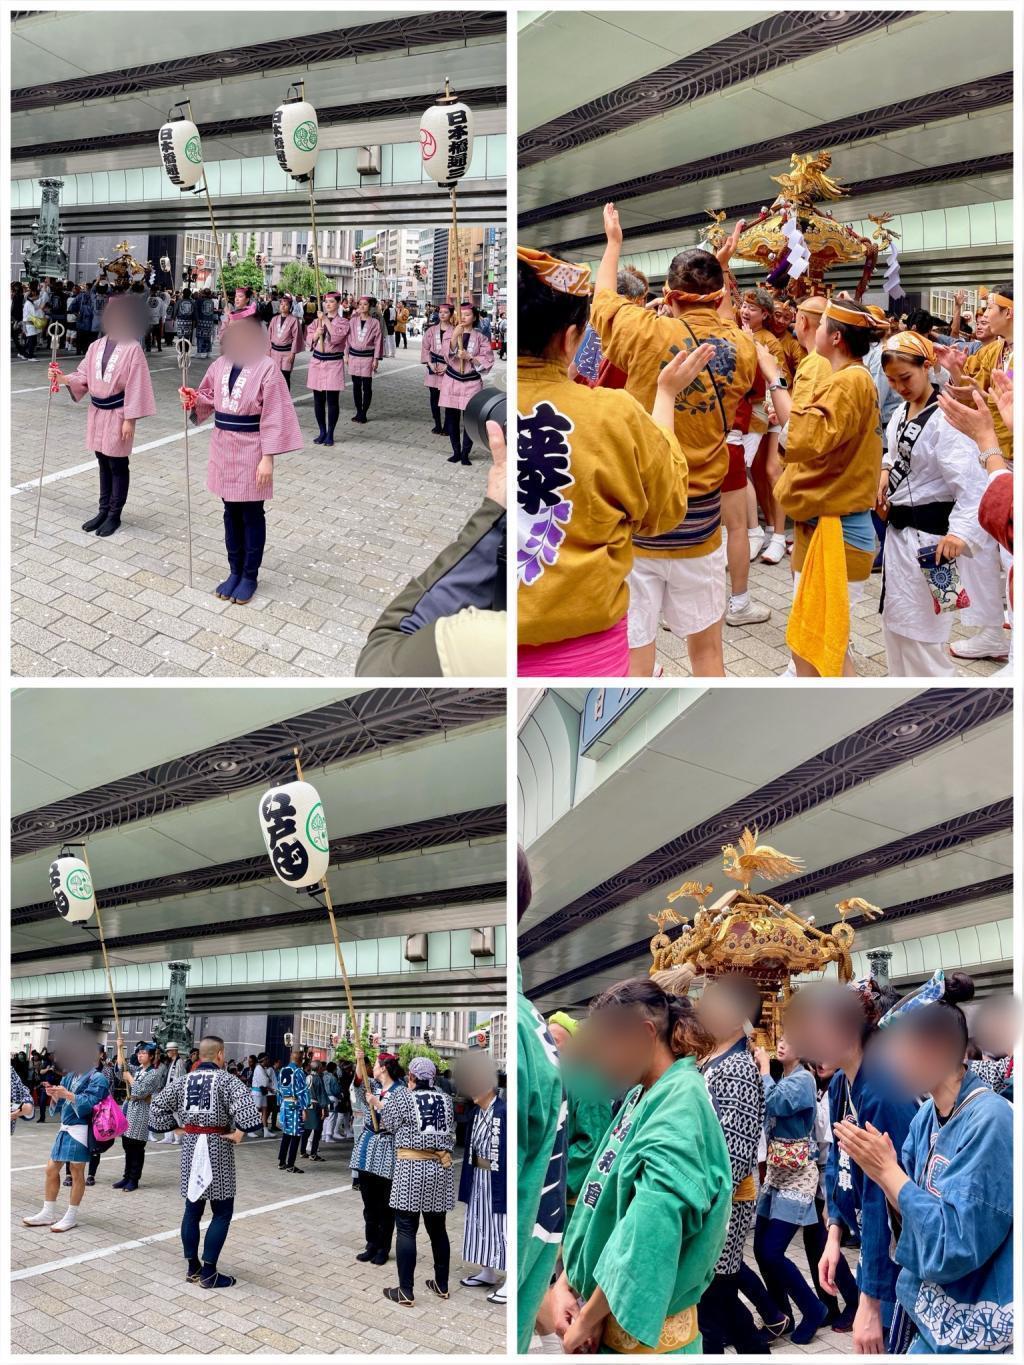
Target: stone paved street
116, 1284
346, 528
760, 651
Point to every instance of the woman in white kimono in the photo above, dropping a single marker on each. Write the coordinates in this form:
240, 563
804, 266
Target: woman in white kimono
929, 492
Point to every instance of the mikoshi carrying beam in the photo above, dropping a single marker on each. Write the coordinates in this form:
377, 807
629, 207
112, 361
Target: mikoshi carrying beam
295, 834
75, 898
296, 138
446, 145
55, 331
183, 350
181, 151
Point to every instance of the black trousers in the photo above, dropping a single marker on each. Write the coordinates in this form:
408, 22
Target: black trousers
362, 393
400, 340
287, 378
155, 333
216, 1233
134, 1158
315, 1133
378, 1215
455, 433
435, 408
407, 1225
726, 1321
245, 536
289, 1149
115, 478
325, 408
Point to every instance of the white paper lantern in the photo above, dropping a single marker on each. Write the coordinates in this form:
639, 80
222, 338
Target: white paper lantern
72, 889
295, 833
296, 138
446, 141
181, 152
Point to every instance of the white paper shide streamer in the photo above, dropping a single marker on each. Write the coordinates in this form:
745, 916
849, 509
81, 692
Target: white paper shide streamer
893, 287
295, 833
181, 152
72, 888
799, 255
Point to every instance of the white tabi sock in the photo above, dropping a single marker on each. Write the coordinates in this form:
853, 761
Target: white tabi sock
46, 1215
69, 1220
551, 1344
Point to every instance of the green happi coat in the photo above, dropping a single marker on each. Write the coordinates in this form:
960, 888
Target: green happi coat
653, 1211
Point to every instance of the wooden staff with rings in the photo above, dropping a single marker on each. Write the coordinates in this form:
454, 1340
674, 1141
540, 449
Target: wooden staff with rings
183, 350
55, 331
329, 905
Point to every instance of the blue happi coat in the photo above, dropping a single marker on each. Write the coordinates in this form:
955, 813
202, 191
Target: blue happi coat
852, 1198
956, 1243
292, 1099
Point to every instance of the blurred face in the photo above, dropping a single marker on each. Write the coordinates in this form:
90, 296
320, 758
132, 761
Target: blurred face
719, 1012
821, 1027
121, 320
77, 1050
911, 382
919, 1060
619, 1044
475, 1075
243, 342
751, 315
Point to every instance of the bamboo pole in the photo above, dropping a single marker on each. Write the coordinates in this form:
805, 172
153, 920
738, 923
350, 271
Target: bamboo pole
106, 963
360, 1055
213, 228
183, 348
312, 220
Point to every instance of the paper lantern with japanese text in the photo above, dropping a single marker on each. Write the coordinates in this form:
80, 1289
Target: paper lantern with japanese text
295, 833
72, 889
181, 152
296, 137
446, 141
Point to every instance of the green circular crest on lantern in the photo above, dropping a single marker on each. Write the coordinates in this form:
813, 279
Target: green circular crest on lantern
194, 151
316, 828
79, 884
304, 136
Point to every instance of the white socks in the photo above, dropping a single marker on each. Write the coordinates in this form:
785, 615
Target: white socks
46, 1215
550, 1344
69, 1221
738, 601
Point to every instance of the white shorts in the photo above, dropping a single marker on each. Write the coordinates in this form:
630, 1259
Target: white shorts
687, 594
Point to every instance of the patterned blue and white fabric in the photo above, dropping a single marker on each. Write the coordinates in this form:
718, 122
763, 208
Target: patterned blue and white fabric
737, 1096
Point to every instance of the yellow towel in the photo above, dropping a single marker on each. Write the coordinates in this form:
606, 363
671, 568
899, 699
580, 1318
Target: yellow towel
819, 623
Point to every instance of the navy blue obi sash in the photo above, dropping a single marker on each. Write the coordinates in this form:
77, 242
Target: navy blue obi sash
702, 520
437, 359
362, 351
116, 400
471, 378
327, 355
275, 347
234, 421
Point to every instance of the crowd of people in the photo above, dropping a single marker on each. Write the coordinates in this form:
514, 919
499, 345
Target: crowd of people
668, 444
402, 1127
655, 1136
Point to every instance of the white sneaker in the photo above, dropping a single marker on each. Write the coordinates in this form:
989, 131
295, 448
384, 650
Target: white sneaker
990, 643
750, 615
756, 541
775, 551
69, 1221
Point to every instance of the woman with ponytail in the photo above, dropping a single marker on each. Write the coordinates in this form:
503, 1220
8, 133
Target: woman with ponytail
950, 1184
653, 1212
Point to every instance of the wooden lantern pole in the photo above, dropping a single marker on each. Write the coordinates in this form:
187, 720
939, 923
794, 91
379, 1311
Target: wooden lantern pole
360, 1054
106, 963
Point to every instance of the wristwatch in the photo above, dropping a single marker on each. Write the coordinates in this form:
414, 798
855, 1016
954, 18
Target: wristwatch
780, 383
985, 455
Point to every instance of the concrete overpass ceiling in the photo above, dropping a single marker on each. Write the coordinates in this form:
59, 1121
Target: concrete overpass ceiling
699, 118
412, 780
903, 798
369, 75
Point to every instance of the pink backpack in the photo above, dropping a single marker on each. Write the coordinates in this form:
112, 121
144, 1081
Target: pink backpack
108, 1120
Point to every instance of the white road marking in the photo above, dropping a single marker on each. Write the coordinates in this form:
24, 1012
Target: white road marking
72, 470
32, 1271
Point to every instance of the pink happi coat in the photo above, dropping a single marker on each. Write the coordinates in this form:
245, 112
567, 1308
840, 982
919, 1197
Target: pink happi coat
365, 334
433, 350
234, 455
125, 372
473, 357
285, 340
327, 374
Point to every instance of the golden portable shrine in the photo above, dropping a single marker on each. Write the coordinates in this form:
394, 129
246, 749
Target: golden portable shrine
769, 238
124, 270
751, 934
